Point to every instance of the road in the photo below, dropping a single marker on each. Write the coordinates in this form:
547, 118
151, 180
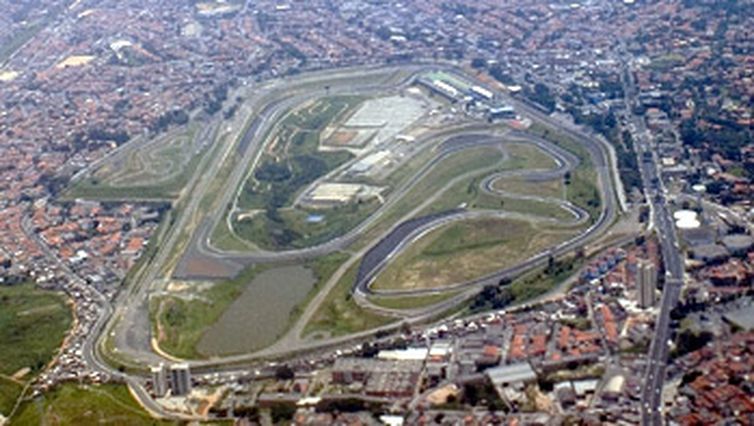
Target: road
600, 159
654, 190
412, 229
128, 320
131, 327
202, 246
137, 327
88, 349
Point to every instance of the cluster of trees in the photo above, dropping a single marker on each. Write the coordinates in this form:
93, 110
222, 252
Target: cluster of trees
628, 164
286, 178
727, 140
176, 116
293, 52
493, 297
689, 341
214, 101
500, 75
541, 95
607, 124
99, 134
273, 171
482, 393
281, 181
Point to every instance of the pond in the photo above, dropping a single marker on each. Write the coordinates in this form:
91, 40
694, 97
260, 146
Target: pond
261, 314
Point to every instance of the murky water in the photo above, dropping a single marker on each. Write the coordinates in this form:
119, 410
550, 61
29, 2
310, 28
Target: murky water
260, 315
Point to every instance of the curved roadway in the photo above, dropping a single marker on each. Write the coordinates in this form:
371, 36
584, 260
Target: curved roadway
132, 307
413, 229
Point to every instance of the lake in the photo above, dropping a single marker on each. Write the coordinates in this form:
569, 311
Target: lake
261, 314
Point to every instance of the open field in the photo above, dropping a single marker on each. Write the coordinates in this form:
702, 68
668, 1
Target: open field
292, 159
291, 162
10, 390
542, 209
549, 188
528, 156
339, 315
159, 169
581, 188
33, 323
521, 157
449, 168
462, 251
181, 321
486, 160
81, 405
539, 282
290, 228
239, 315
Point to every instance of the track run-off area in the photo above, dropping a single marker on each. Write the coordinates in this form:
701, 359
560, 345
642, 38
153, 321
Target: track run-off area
409, 189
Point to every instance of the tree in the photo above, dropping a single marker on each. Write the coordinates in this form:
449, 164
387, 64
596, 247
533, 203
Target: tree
551, 265
282, 412
478, 63
284, 372
498, 74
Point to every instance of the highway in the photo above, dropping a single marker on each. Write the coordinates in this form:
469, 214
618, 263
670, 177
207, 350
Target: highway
654, 191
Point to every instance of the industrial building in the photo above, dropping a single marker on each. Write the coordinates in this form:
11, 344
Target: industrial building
332, 194
474, 97
738, 244
378, 377
511, 375
503, 112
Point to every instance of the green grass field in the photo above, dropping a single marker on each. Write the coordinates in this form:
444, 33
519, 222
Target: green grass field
527, 156
482, 158
290, 163
339, 315
292, 158
82, 405
540, 282
323, 267
581, 189
10, 390
33, 323
463, 251
550, 188
294, 229
180, 322
468, 191
159, 170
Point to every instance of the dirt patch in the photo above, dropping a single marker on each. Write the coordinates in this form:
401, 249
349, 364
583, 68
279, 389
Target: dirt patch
342, 137
197, 267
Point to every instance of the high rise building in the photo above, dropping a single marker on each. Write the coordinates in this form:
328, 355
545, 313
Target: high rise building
159, 380
646, 284
180, 379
